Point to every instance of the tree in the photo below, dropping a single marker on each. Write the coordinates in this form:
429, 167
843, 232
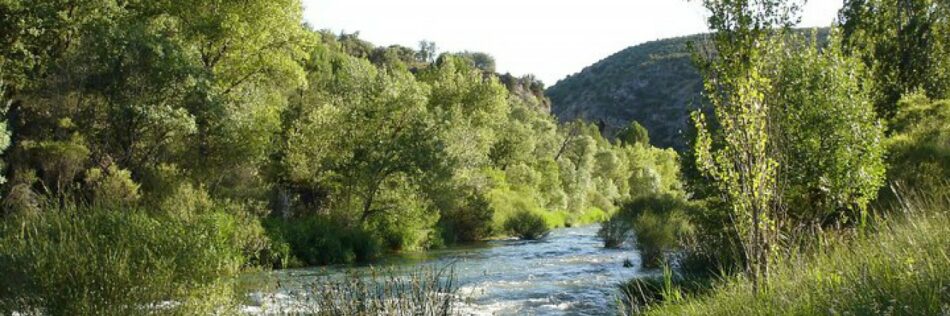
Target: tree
394, 148
4, 134
427, 51
482, 61
735, 85
905, 43
824, 130
634, 134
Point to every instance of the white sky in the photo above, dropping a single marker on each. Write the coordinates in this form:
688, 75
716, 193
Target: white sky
548, 38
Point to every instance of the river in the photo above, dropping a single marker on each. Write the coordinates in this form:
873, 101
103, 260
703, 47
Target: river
567, 273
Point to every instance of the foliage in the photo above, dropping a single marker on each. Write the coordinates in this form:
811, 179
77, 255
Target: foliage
320, 240
903, 43
615, 231
470, 222
634, 134
742, 166
660, 224
526, 225
112, 188
919, 148
901, 268
83, 261
828, 140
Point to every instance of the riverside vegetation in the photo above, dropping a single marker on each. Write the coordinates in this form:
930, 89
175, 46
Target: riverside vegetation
153, 150
817, 177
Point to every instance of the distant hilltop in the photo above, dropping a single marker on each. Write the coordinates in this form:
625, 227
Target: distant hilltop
654, 83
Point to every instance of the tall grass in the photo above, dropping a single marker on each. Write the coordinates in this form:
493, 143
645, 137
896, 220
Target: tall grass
428, 291
90, 261
902, 267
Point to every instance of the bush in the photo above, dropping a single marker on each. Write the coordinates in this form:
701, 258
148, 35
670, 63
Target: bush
615, 232
526, 225
112, 187
659, 233
321, 240
899, 269
660, 223
96, 261
471, 222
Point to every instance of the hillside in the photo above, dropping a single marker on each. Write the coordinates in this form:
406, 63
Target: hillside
654, 83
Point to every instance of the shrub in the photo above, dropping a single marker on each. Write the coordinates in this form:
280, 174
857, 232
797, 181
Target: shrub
659, 233
660, 223
827, 138
526, 225
471, 222
112, 187
322, 239
899, 268
615, 232
96, 261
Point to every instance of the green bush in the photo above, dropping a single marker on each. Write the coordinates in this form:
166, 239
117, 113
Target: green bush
527, 225
112, 187
900, 268
659, 233
96, 261
660, 223
321, 240
615, 231
471, 222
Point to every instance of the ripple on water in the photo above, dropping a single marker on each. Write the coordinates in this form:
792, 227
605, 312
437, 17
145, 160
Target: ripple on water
568, 273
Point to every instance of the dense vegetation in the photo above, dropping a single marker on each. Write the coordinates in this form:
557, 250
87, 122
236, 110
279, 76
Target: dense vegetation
811, 187
152, 150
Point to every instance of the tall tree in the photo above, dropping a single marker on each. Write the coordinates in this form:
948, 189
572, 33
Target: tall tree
741, 164
905, 43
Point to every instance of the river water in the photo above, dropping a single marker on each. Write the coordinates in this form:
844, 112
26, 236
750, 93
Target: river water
567, 273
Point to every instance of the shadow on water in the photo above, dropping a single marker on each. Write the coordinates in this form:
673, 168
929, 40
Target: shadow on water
567, 273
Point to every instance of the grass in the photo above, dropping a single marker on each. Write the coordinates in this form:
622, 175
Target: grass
425, 291
103, 262
901, 268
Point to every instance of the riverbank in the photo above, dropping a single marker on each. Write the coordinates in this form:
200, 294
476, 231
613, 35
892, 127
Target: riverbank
903, 268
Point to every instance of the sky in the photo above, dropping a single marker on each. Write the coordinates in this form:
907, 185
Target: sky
548, 38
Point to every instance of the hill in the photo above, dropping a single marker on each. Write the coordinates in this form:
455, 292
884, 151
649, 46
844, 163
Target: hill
654, 83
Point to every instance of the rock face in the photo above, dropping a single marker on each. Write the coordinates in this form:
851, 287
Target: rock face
654, 83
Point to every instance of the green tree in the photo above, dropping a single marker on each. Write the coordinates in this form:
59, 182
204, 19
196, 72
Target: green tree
829, 143
427, 51
634, 134
736, 86
905, 44
395, 148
